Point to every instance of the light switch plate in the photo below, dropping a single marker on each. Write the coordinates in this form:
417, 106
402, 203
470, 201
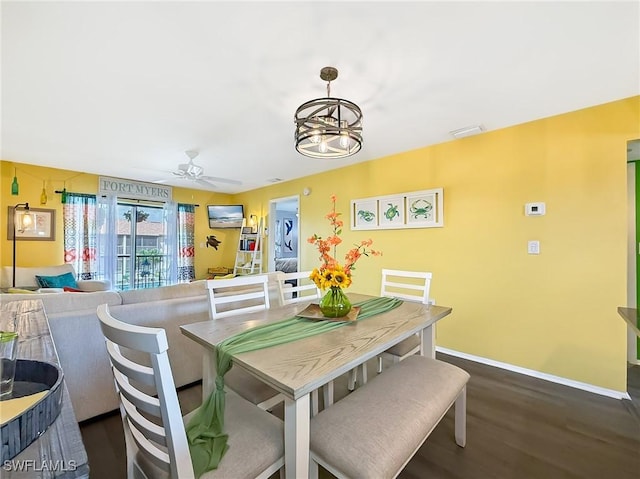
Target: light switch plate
533, 247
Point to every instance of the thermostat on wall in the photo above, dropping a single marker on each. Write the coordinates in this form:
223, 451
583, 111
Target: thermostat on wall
534, 209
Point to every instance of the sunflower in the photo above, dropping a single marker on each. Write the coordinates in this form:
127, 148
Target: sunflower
341, 279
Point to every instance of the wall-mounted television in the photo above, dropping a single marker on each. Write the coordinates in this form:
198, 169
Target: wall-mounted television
225, 216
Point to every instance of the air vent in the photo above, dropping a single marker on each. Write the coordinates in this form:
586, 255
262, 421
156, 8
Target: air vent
275, 180
467, 131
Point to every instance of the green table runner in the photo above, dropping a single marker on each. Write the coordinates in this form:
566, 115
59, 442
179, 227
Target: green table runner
205, 431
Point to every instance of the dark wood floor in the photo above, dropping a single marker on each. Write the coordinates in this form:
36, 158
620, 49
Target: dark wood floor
517, 427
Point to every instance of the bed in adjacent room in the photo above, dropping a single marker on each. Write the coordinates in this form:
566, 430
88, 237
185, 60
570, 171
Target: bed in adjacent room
287, 265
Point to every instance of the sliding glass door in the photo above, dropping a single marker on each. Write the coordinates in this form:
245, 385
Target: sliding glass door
142, 259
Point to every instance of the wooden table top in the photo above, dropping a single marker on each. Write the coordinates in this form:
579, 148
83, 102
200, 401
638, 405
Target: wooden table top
299, 367
630, 315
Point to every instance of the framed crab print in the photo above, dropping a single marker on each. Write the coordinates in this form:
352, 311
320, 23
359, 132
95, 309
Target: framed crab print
421, 209
416, 209
365, 213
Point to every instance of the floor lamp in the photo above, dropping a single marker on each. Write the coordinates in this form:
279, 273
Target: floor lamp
24, 222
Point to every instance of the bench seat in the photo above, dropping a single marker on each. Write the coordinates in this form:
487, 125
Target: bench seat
376, 430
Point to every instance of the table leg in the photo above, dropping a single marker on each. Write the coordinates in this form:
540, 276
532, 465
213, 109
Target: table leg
428, 341
296, 437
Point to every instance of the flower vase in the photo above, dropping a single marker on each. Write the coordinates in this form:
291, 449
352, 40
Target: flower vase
335, 303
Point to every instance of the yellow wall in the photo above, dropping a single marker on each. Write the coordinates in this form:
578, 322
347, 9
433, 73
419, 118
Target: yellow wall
554, 313
37, 253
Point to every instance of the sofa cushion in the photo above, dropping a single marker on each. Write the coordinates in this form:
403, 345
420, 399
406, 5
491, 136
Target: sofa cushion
64, 303
60, 281
182, 290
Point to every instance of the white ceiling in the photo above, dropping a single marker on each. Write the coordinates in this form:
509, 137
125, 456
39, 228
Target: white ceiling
125, 88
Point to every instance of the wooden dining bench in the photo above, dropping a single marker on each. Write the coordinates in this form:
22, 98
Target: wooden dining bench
376, 430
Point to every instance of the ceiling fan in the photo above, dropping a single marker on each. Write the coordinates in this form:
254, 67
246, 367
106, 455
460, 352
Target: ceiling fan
193, 172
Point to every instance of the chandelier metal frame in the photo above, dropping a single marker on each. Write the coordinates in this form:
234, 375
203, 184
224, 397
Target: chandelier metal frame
328, 127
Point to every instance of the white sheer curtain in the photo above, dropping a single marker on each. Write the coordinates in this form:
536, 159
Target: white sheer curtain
171, 241
107, 240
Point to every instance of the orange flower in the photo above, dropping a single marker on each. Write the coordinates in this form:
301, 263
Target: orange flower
331, 274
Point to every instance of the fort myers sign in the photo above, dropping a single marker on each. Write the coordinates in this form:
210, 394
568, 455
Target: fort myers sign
133, 189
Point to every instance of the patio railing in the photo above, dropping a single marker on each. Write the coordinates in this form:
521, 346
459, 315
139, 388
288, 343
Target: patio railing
142, 271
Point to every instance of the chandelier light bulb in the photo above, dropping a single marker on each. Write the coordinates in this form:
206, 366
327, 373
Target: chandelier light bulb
344, 141
323, 147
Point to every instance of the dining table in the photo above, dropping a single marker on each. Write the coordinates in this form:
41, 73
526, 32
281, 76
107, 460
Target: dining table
297, 369
58, 452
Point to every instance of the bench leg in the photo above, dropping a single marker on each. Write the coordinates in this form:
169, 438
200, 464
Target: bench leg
363, 367
461, 418
352, 379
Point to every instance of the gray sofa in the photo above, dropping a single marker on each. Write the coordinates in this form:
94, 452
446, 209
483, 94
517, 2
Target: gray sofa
25, 277
80, 343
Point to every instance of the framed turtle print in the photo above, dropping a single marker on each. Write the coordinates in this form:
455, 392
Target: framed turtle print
391, 211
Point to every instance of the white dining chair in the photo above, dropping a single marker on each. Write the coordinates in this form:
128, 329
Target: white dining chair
303, 290
155, 437
409, 286
234, 297
302, 287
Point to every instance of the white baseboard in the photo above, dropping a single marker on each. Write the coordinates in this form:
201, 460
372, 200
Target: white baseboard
537, 374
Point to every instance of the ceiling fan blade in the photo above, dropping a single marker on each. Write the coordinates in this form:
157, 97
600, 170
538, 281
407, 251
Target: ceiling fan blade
202, 182
221, 180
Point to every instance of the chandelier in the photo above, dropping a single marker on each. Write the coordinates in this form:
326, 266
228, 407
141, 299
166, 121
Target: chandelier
328, 127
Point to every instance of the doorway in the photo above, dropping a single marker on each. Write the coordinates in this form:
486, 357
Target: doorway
284, 234
633, 248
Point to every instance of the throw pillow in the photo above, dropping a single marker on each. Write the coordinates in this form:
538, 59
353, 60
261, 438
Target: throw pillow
69, 289
20, 291
61, 281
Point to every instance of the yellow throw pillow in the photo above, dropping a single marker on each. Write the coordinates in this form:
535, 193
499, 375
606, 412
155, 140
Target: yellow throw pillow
226, 276
20, 291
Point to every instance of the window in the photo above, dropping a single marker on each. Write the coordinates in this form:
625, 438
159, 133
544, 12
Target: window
142, 260
132, 243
